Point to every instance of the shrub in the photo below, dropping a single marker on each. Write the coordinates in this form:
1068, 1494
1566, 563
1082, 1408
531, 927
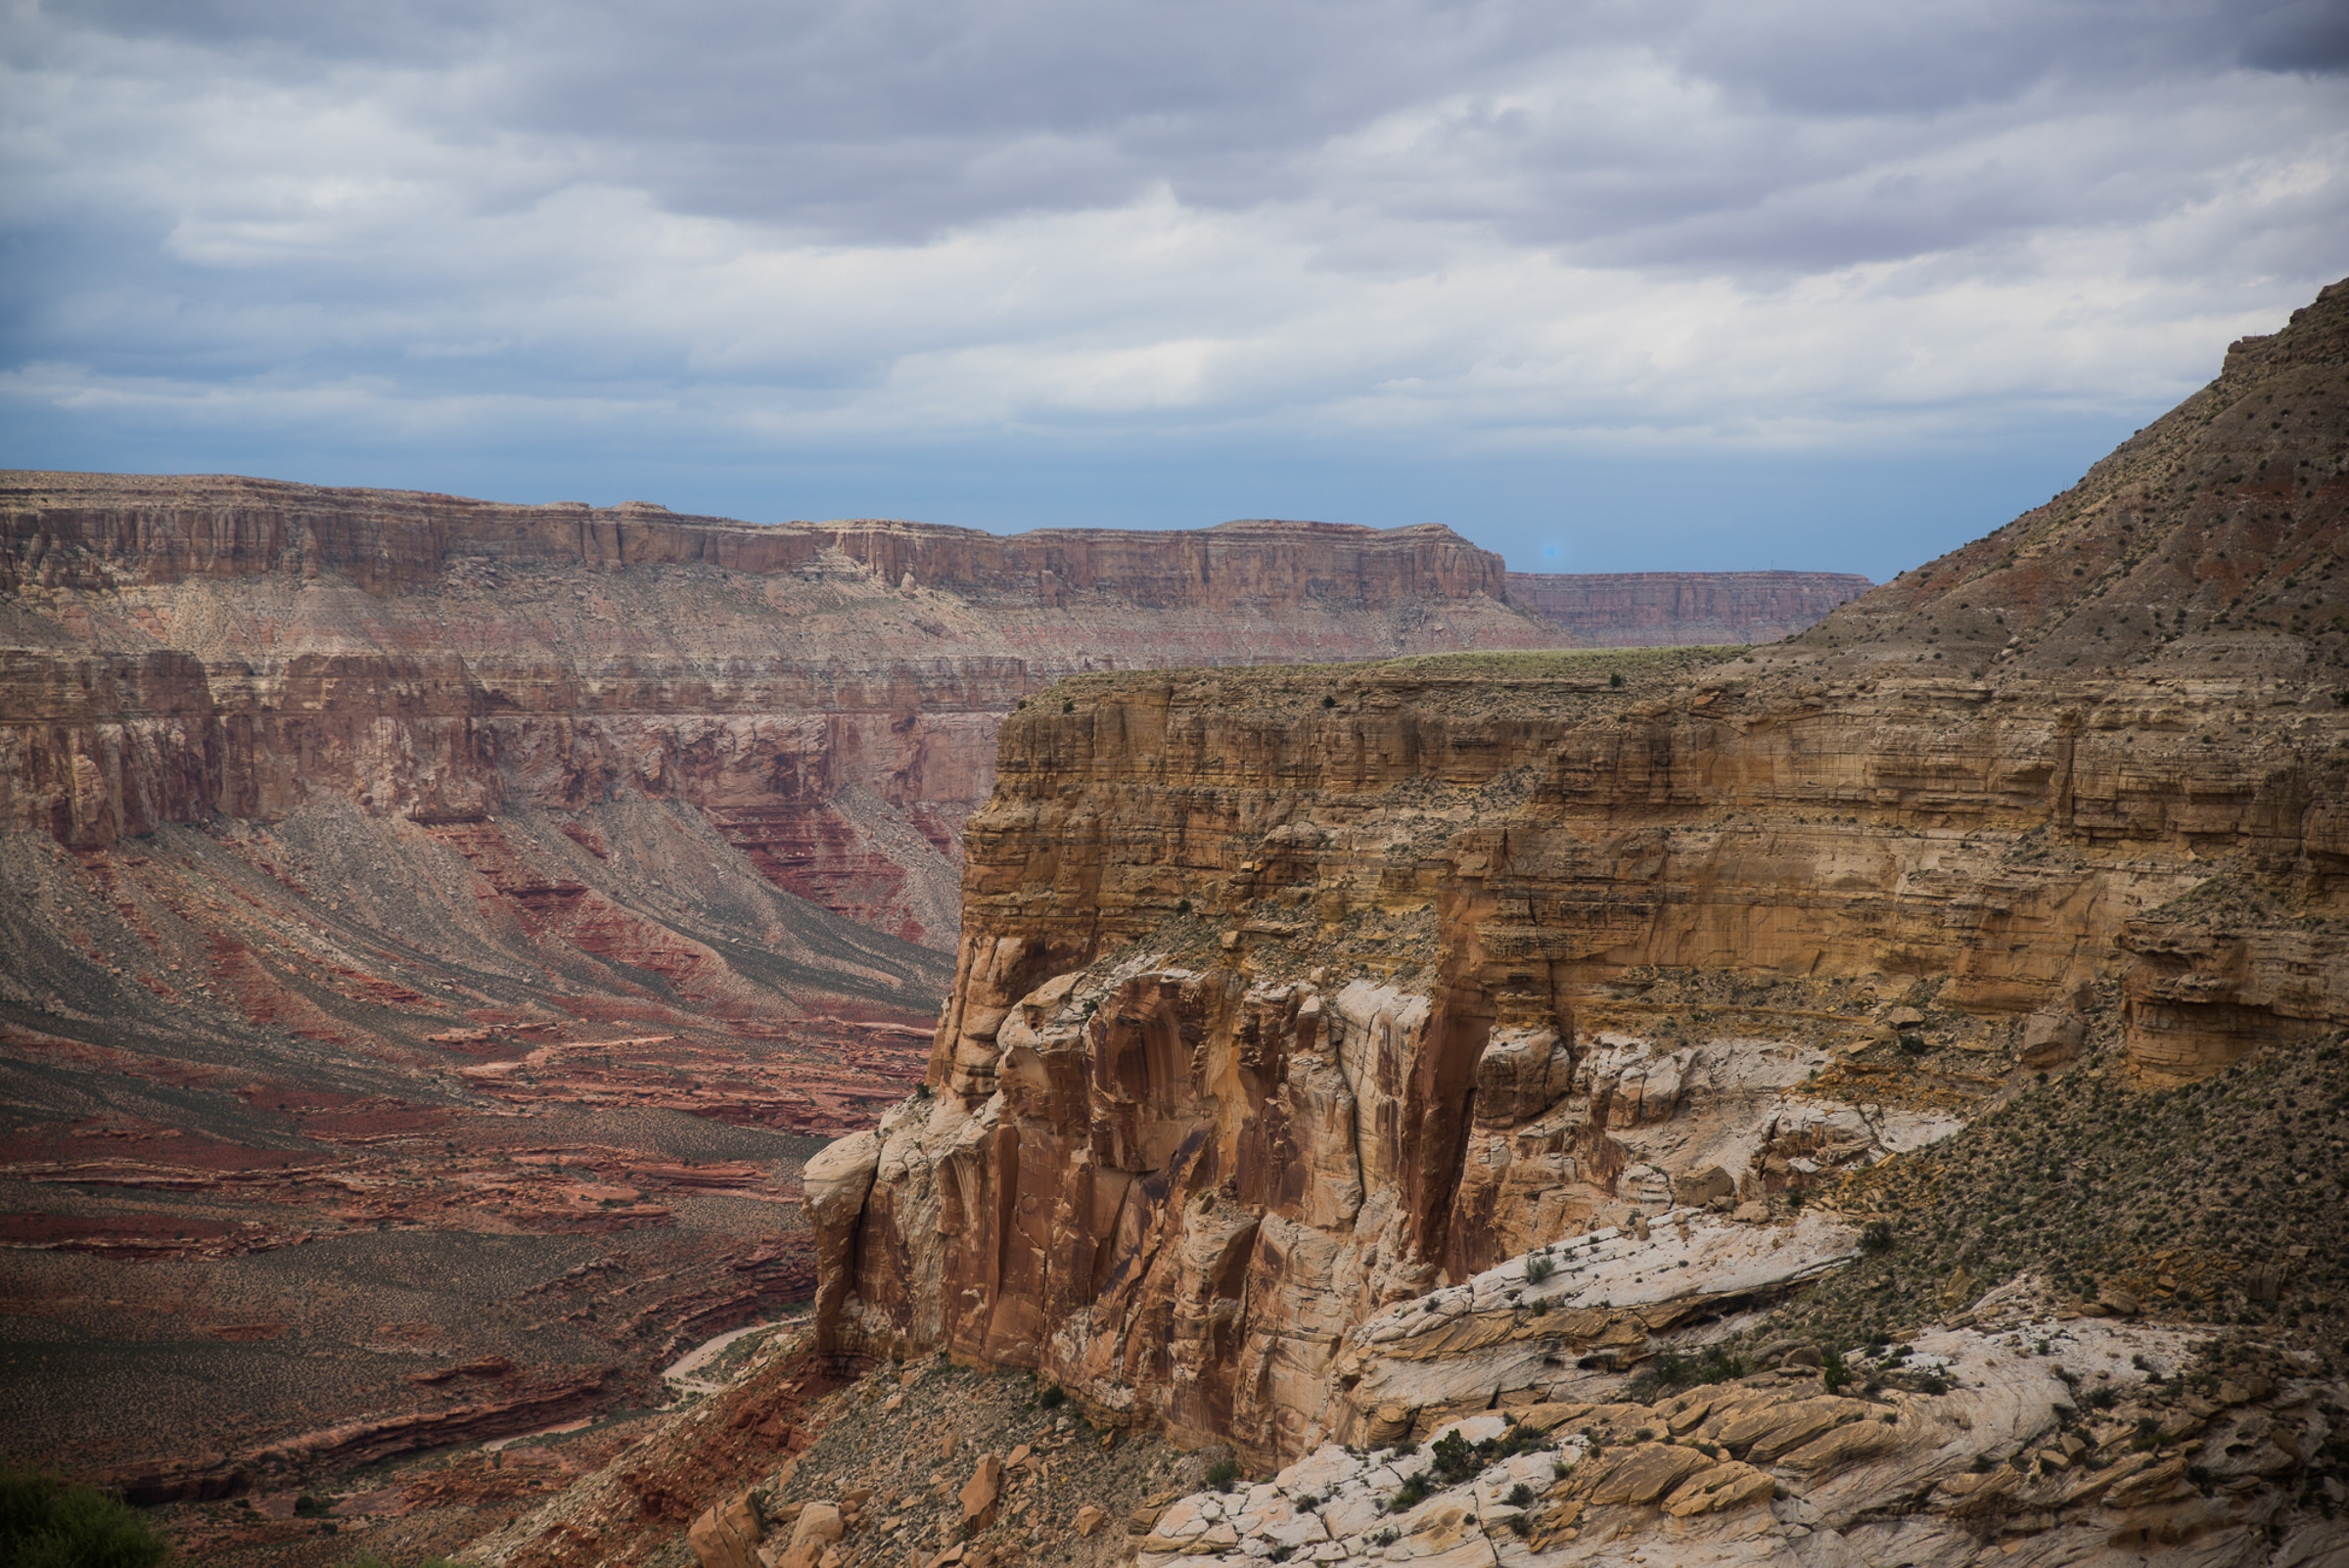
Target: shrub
1054, 1396
1521, 1495
1455, 1460
49, 1523
1539, 1268
1669, 1371
1836, 1374
1876, 1236
1223, 1474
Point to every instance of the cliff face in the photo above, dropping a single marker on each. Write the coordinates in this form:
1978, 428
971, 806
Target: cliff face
1685, 609
177, 649
1284, 996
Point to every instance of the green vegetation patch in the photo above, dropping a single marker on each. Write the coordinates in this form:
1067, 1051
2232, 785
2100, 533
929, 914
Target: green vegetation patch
49, 1523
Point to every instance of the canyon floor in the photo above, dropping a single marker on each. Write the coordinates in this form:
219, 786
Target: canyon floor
317, 1149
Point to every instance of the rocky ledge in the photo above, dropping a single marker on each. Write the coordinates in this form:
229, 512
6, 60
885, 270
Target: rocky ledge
2052, 1440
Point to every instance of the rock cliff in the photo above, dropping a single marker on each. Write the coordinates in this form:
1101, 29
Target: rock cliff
177, 649
1292, 1007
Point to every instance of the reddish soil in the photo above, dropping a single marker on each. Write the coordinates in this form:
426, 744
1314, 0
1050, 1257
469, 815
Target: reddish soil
353, 1140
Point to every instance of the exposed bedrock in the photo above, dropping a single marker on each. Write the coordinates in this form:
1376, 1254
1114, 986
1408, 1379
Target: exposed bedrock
1176, 1179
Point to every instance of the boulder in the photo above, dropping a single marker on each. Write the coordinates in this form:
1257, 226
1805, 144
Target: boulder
727, 1534
819, 1524
980, 1492
1696, 1188
1088, 1520
2051, 1038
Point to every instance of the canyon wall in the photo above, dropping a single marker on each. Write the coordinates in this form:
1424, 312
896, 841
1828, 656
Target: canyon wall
180, 649
1285, 995
1658, 609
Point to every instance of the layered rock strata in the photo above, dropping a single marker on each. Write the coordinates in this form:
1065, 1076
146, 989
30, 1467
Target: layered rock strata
1283, 997
173, 650
1659, 608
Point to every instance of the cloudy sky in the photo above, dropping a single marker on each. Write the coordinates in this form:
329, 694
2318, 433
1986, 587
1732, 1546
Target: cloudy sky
1604, 284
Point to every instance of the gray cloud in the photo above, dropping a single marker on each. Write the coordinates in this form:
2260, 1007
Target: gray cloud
894, 119
1686, 220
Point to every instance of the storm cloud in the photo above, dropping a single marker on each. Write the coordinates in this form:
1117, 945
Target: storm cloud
1042, 249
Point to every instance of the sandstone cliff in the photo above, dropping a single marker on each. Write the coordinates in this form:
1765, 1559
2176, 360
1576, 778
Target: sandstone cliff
1285, 999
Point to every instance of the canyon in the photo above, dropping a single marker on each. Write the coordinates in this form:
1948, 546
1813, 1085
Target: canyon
1880, 1095
1305, 1021
496, 905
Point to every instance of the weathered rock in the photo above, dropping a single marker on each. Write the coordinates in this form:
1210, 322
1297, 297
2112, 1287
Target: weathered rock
2050, 1038
1898, 1478
980, 1492
728, 1535
1700, 1187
